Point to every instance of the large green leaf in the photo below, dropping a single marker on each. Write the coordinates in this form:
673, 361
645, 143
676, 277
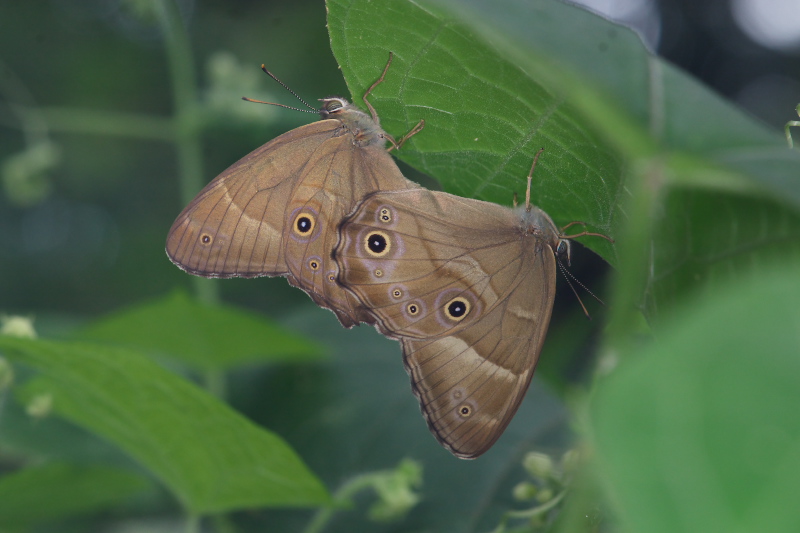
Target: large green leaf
704, 240
700, 431
207, 337
485, 118
55, 491
211, 457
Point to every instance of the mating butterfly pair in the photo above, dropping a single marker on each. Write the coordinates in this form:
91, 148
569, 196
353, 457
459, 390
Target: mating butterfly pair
465, 286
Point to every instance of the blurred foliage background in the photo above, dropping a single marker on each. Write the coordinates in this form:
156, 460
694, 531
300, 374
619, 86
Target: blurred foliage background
88, 234
90, 188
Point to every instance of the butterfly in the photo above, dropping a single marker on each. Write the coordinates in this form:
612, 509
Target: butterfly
467, 288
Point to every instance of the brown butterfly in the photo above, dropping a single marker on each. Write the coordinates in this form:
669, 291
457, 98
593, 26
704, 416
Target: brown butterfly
275, 211
467, 287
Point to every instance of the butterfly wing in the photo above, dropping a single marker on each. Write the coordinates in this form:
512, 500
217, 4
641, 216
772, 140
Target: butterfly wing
467, 293
246, 222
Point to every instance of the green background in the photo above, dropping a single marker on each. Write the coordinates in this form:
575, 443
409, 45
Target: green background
107, 129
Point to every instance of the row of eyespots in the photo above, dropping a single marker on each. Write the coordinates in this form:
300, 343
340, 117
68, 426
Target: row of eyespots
378, 244
315, 264
466, 409
412, 308
456, 309
303, 226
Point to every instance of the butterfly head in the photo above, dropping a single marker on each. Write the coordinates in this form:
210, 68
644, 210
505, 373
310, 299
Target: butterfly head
333, 106
364, 128
533, 222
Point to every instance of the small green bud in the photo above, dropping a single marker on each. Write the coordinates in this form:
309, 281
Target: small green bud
538, 465
228, 81
17, 326
545, 495
570, 461
26, 175
524, 491
395, 491
40, 406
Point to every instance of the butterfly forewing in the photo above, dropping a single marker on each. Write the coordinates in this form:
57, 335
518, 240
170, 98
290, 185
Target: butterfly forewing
275, 212
233, 227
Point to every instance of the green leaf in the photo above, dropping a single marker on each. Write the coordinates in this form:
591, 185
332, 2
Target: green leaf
55, 491
207, 337
484, 117
212, 458
704, 240
604, 67
699, 431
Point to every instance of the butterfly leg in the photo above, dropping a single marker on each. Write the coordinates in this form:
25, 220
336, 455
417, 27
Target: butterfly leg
372, 87
583, 233
416, 129
530, 179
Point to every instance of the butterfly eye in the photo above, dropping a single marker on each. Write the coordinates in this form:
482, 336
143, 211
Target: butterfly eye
314, 263
384, 215
377, 244
457, 308
332, 105
304, 224
205, 238
562, 250
413, 309
397, 293
332, 277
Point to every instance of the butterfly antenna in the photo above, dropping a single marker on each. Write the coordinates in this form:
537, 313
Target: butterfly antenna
530, 180
567, 276
271, 75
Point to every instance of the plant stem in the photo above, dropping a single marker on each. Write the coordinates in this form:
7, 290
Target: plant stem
341, 499
530, 513
192, 523
789, 124
109, 123
184, 95
646, 185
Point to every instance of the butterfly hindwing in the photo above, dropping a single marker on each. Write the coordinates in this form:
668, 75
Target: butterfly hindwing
468, 293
